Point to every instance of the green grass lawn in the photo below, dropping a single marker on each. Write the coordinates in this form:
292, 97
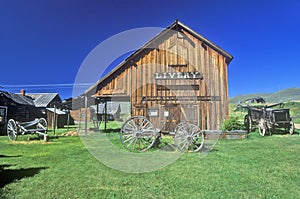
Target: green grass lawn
258, 167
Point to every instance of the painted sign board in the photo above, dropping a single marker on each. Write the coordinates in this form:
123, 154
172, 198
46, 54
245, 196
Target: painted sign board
178, 75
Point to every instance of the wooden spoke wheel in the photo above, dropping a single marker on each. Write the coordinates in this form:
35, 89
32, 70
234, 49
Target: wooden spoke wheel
291, 128
181, 124
42, 125
248, 123
12, 130
138, 134
188, 137
262, 127
197, 136
180, 138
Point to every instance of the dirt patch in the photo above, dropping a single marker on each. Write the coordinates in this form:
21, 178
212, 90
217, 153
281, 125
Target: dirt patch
30, 142
70, 133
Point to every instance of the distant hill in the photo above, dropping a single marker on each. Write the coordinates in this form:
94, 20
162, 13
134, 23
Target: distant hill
286, 95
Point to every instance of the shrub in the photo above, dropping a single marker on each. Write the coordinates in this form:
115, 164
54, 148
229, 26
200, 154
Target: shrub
232, 124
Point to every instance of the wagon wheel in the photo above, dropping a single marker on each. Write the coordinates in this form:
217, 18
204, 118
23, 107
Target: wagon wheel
180, 138
291, 128
188, 137
42, 125
181, 124
248, 123
12, 130
197, 139
138, 134
262, 127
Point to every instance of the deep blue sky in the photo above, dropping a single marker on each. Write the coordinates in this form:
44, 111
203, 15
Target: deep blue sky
45, 42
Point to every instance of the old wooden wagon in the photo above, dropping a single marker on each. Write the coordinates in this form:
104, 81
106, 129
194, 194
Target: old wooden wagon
252, 119
275, 118
176, 83
37, 126
267, 118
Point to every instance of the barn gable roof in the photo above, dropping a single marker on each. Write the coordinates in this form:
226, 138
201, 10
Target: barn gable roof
150, 43
18, 99
42, 99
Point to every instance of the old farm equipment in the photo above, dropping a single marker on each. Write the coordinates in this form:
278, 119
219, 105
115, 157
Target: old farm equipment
139, 134
252, 119
37, 126
275, 118
267, 118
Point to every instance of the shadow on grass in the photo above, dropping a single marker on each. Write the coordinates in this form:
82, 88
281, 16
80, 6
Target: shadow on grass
11, 156
10, 175
50, 137
283, 132
116, 130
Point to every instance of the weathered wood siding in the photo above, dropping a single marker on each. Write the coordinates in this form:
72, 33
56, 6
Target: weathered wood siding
136, 78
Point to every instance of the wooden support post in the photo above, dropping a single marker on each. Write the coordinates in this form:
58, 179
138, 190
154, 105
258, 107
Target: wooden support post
85, 113
54, 120
79, 126
68, 119
97, 113
105, 115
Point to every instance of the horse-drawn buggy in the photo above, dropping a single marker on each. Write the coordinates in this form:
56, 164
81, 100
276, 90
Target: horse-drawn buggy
266, 118
37, 126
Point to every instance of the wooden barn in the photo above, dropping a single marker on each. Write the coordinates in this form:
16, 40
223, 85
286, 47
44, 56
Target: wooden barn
25, 107
177, 76
19, 107
45, 103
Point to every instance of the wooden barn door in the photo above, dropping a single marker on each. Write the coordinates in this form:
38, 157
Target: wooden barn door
171, 117
139, 109
190, 113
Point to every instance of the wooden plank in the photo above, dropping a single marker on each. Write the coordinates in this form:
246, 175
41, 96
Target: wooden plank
133, 87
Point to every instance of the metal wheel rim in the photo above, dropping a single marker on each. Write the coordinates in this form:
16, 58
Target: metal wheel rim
180, 138
197, 139
292, 127
248, 123
262, 127
262, 131
188, 137
12, 130
42, 125
179, 126
138, 134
